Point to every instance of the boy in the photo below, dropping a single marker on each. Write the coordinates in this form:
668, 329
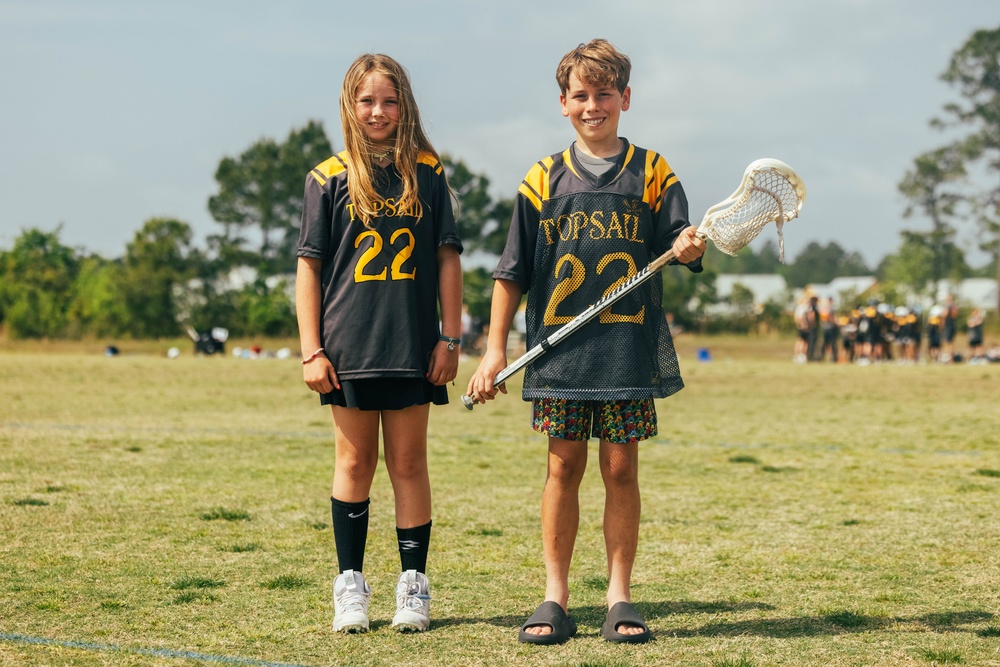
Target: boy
586, 220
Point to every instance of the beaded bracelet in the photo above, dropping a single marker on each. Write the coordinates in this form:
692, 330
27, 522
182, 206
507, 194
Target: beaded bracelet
312, 356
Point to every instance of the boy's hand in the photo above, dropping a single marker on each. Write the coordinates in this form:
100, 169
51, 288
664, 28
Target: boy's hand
320, 375
444, 364
688, 247
481, 387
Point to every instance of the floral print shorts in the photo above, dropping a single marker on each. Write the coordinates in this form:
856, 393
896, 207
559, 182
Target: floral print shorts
619, 422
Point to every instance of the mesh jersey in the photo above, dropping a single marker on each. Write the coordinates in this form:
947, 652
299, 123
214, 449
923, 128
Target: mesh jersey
575, 237
379, 285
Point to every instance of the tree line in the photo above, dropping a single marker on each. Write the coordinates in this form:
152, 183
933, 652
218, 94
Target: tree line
164, 282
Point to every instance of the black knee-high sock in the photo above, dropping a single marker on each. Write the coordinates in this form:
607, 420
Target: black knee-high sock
413, 545
350, 532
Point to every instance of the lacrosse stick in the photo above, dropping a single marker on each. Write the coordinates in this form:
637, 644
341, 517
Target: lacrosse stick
770, 191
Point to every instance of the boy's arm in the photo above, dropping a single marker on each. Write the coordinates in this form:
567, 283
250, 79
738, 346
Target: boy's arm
506, 299
444, 362
675, 231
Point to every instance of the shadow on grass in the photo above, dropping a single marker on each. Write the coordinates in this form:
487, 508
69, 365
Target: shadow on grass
838, 623
835, 623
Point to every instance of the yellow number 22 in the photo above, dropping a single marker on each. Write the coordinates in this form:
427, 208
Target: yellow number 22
369, 255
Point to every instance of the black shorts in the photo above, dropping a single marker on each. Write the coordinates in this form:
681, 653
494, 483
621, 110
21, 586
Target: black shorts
385, 394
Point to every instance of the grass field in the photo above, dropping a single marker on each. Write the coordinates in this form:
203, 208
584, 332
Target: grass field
175, 512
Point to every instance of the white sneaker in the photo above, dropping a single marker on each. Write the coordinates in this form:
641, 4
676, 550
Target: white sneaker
350, 602
413, 602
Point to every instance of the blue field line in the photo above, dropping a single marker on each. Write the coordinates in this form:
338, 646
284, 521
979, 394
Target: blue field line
154, 652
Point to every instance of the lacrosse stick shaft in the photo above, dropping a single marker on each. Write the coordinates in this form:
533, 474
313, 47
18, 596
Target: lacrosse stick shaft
560, 334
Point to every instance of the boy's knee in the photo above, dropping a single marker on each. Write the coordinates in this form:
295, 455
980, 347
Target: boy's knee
566, 471
621, 475
620, 468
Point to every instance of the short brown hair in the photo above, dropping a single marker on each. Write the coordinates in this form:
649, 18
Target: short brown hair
597, 63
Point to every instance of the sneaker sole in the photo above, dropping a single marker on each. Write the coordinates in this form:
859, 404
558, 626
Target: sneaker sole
408, 627
351, 629
356, 625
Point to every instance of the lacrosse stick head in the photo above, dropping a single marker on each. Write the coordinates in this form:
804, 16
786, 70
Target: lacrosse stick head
770, 191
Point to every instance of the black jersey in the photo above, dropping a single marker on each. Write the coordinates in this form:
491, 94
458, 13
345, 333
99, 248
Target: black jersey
574, 238
380, 284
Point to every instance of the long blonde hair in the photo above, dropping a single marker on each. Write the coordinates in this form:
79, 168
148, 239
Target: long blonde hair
410, 138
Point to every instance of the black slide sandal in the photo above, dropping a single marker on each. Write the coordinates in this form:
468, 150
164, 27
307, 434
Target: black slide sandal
551, 614
623, 612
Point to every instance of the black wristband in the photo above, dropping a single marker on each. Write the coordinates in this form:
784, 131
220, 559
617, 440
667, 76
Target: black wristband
452, 342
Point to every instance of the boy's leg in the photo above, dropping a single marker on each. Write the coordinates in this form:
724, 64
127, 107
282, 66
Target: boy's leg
567, 423
561, 513
567, 461
621, 425
622, 505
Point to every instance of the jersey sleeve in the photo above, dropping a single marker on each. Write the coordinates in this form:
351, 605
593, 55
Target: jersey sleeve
314, 231
518, 258
669, 206
445, 227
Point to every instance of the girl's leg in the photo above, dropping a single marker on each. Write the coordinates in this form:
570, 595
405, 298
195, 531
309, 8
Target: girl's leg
406, 461
356, 433
405, 435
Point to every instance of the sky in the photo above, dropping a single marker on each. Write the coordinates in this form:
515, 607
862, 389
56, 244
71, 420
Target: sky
112, 113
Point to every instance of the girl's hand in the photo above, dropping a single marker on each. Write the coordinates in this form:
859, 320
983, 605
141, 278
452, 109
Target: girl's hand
481, 387
444, 364
320, 375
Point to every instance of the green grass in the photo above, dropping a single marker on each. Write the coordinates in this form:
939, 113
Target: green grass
197, 582
226, 515
792, 515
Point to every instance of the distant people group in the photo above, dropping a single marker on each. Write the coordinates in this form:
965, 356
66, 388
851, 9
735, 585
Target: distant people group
876, 332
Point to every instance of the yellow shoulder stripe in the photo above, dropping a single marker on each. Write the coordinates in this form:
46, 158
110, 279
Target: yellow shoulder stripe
327, 169
659, 178
428, 158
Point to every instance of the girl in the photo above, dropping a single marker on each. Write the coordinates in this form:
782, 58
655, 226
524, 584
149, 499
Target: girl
378, 249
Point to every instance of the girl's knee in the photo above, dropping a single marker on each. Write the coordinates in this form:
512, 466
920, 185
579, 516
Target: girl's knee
357, 465
406, 466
